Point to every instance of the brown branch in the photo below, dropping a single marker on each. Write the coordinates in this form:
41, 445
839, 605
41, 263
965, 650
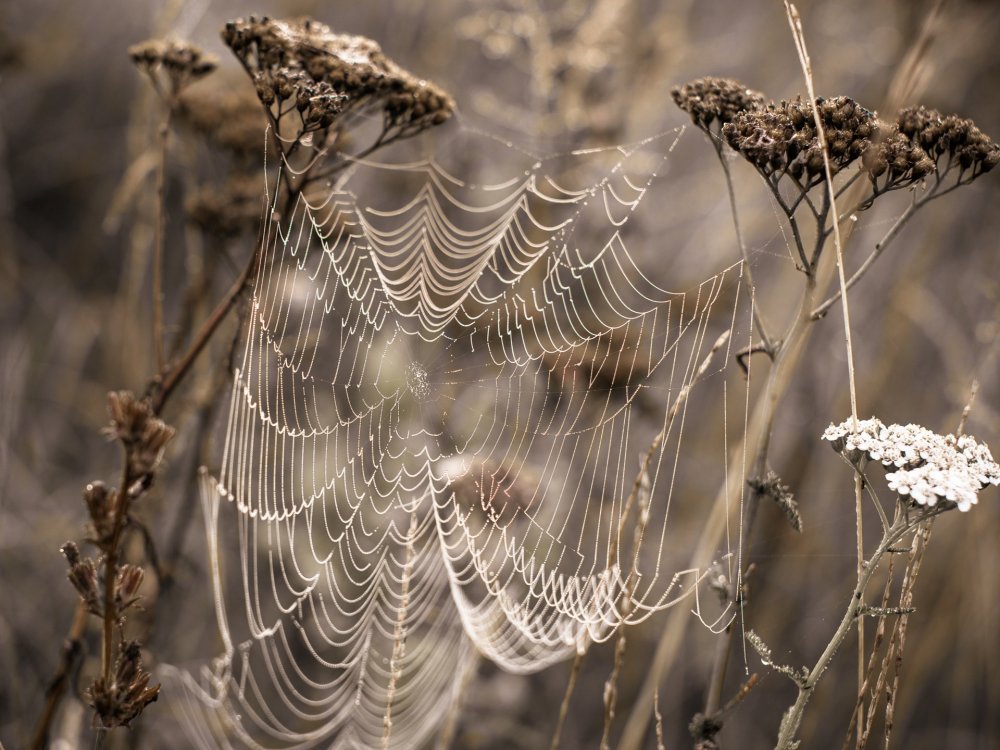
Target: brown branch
161, 230
176, 373
72, 654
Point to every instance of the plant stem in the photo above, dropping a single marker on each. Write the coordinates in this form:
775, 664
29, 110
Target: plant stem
793, 716
177, 372
161, 229
564, 706
880, 247
779, 377
67, 666
111, 569
757, 317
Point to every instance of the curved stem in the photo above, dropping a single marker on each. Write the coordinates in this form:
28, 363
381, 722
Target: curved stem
757, 317
790, 213
71, 657
161, 229
880, 247
173, 378
793, 716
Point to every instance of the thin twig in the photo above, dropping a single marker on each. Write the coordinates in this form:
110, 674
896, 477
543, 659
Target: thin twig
177, 372
757, 317
659, 721
796, 234
72, 654
110, 612
564, 706
880, 247
973, 392
793, 717
795, 22
161, 229
906, 600
870, 670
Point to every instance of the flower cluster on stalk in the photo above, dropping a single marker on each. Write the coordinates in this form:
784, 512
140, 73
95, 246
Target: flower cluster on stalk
925, 468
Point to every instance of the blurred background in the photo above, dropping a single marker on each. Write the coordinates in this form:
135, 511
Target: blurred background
78, 125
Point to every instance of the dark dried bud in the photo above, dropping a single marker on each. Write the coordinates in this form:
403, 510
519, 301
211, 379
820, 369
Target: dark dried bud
127, 586
949, 141
304, 59
771, 487
782, 138
101, 503
119, 703
83, 575
181, 62
71, 552
143, 434
894, 161
712, 101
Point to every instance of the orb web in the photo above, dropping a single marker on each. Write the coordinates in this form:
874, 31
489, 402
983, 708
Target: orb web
434, 440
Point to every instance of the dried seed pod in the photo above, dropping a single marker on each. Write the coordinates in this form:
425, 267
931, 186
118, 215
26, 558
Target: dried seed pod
950, 140
782, 138
330, 74
181, 63
715, 101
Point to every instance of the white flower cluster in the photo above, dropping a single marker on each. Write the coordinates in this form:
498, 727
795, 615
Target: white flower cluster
927, 468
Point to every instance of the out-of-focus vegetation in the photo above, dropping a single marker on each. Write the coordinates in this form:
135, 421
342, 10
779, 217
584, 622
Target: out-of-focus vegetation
78, 126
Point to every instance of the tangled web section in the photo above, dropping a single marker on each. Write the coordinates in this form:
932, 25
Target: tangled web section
456, 428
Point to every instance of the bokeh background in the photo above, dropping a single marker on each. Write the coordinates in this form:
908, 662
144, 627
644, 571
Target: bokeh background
77, 123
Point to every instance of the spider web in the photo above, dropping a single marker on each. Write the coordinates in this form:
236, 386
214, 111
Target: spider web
433, 445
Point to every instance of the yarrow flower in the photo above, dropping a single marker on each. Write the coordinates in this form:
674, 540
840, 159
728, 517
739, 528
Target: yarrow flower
330, 76
894, 161
179, 62
927, 468
952, 139
715, 101
781, 138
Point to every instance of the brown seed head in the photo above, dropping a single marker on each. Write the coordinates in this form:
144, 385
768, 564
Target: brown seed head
83, 575
127, 586
328, 74
181, 63
120, 702
229, 117
953, 138
143, 434
715, 101
772, 487
894, 161
228, 211
101, 503
782, 138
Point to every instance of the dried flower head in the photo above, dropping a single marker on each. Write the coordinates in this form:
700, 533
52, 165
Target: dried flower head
101, 503
772, 487
715, 101
230, 210
118, 703
329, 75
781, 138
128, 581
928, 469
953, 140
143, 434
179, 63
894, 161
83, 575
231, 118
